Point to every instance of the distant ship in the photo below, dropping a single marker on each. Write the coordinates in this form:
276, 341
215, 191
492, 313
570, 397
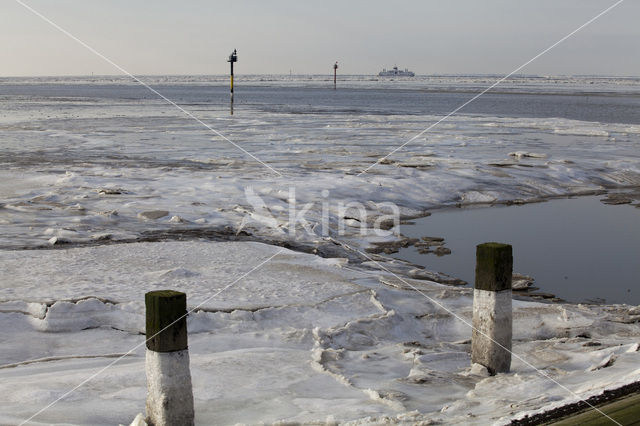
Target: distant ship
395, 72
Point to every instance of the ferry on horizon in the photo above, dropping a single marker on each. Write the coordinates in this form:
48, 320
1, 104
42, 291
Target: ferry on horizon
395, 72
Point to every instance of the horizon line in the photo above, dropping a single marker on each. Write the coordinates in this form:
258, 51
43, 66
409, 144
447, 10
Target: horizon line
321, 74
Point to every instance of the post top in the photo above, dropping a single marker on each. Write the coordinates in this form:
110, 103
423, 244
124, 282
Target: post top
166, 320
165, 293
494, 266
494, 246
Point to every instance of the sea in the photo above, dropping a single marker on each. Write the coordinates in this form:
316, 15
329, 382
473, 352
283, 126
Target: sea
108, 159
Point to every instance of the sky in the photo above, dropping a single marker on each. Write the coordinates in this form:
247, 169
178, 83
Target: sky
307, 37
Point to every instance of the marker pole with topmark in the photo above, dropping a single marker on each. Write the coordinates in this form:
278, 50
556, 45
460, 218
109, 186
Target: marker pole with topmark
232, 59
335, 73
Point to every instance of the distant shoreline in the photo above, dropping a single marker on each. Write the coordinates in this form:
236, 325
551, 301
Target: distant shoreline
373, 74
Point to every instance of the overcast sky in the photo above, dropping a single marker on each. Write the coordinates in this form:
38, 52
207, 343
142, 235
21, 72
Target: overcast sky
276, 36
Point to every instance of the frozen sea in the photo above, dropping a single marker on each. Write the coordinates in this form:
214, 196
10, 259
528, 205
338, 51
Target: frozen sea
89, 162
82, 157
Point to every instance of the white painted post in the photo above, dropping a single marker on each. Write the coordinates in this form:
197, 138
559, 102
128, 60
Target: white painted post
169, 390
492, 311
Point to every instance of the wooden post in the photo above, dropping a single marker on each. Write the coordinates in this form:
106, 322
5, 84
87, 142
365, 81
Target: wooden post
492, 312
169, 390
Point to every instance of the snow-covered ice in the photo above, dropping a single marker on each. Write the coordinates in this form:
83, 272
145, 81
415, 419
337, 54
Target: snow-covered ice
95, 163
92, 163
302, 339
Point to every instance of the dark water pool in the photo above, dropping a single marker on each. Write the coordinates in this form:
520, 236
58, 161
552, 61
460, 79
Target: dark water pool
577, 248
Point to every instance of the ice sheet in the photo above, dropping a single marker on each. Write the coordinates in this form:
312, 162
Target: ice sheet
303, 339
89, 162
92, 176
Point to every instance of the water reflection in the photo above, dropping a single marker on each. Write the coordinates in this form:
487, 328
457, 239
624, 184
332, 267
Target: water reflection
578, 249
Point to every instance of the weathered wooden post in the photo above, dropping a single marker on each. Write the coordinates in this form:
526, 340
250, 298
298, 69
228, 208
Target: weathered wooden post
492, 317
169, 391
